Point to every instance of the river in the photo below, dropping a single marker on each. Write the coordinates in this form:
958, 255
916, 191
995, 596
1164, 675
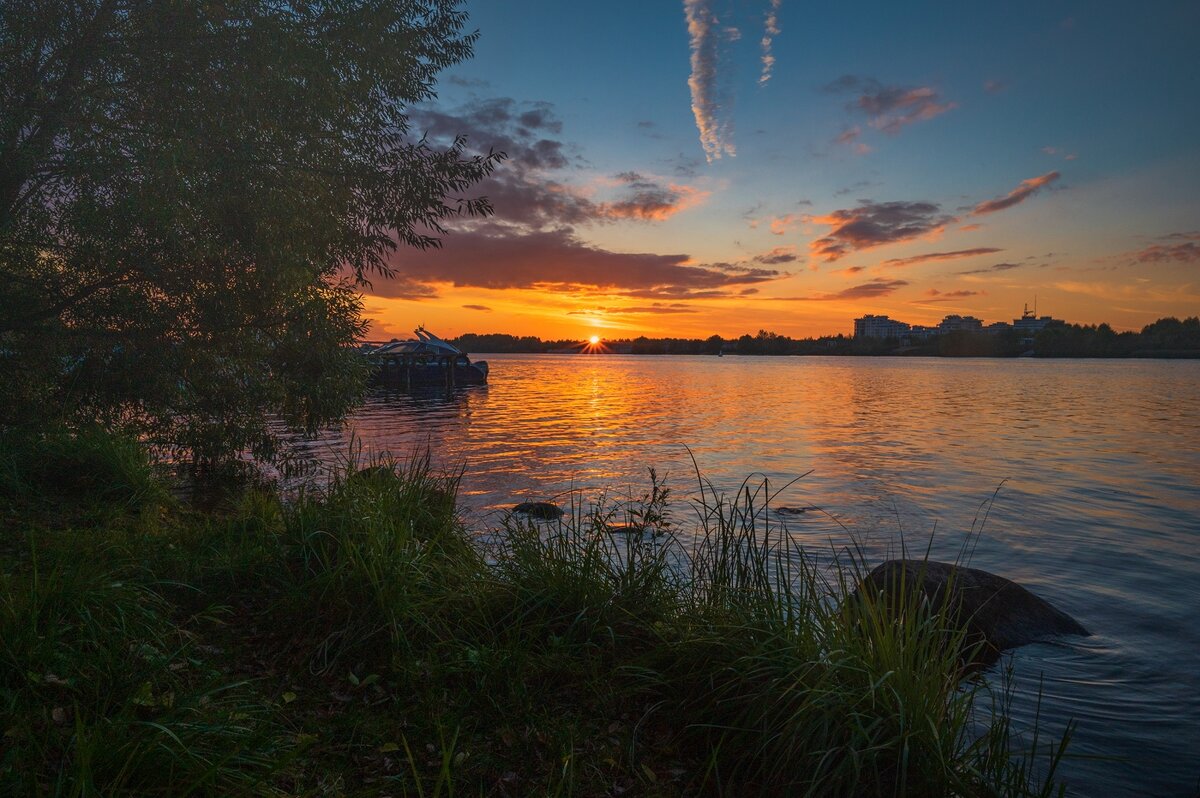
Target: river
1094, 464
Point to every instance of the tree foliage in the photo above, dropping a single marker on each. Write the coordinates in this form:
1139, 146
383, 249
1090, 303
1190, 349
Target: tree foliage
191, 195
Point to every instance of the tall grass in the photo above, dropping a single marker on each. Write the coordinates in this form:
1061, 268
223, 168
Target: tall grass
357, 639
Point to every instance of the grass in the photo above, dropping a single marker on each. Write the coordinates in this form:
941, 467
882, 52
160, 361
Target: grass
356, 640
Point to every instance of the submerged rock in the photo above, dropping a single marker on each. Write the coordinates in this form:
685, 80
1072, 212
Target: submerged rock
995, 611
795, 510
543, 510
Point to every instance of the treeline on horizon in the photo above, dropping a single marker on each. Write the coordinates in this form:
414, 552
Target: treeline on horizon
1168, 337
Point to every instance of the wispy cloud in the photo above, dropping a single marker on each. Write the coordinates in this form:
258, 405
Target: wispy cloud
874, 224
1185, 252
891, 108
777, 256
477, 307
704, 34
1059, 152
930, 256
770, 31
949, 296
872, 290
852, 137
995, 267
664, 308
1024, 191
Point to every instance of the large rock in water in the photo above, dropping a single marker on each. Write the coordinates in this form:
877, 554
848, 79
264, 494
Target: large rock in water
995, 611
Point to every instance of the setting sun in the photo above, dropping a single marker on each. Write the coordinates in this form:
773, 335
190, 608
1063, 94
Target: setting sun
595, 339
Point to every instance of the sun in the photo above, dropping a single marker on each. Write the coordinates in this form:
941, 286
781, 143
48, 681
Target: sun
595, 339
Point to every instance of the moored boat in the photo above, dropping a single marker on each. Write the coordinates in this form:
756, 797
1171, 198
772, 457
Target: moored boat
423, 361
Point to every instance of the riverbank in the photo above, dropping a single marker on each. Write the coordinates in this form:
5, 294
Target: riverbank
358, 641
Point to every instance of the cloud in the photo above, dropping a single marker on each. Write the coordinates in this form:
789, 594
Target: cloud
477, 307
850, 137
930, 256
523, 191
777, 256
770, 31
1024, 191
872, 290
873, 224
890, 108
1166, 253
994, 86
849, 270
781, 224
715, 131
949, 296
649, 201
995, 267
655, 308
499, 256
1056, 151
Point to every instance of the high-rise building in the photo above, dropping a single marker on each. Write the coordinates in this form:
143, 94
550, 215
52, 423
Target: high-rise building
870, 326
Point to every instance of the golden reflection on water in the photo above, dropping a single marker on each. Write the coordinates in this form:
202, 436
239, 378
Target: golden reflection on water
1098, 511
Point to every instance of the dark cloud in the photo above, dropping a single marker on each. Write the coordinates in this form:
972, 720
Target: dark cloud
520, 130
872, 290
890, 108
859, 186
467, 83
995, 267
777, 256
873, 224
949, 296
477, 307
1179, 253
499, 256
1024, 191
930, 256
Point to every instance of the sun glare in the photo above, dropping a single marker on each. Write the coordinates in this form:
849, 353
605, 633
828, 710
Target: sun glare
595, 339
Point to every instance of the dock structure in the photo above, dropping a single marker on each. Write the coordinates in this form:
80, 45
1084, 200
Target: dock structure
424, 361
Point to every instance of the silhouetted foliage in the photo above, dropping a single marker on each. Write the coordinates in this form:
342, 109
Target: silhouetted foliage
191, 195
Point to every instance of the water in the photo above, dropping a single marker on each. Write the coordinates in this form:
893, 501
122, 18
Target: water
1096, 463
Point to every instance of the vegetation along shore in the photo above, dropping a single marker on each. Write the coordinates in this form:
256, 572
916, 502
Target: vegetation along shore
1165, 338
357, 640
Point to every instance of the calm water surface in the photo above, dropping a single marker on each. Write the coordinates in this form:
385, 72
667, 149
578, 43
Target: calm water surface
1097, 465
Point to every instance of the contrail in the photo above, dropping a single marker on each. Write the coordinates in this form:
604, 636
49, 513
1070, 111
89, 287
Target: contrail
701, 24
770, 31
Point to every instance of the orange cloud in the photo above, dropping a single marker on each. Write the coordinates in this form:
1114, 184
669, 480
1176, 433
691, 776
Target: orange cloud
1024, 191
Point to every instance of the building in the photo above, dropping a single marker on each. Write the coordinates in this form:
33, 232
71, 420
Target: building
997, 327
1030, 324
956, 323
870, 326
921, 332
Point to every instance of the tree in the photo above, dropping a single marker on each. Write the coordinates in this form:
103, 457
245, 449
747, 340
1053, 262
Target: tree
192, 195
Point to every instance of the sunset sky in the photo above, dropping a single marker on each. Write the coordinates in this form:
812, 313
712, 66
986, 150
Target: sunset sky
721, 166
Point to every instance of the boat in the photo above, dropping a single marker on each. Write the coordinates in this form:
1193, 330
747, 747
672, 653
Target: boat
423, 361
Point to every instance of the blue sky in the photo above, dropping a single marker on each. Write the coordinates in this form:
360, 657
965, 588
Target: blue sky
1032, 148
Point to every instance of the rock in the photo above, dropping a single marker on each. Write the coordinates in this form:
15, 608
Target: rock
373, 473
794, 510
995, 611
543, 510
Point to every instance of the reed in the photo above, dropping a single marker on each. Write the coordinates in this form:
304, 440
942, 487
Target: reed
357, 639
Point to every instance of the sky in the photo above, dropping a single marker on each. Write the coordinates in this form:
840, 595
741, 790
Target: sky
723, 166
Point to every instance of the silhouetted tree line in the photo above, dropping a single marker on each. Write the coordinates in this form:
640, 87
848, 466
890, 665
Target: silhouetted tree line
1167, 337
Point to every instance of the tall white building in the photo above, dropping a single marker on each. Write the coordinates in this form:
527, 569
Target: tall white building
870, 326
